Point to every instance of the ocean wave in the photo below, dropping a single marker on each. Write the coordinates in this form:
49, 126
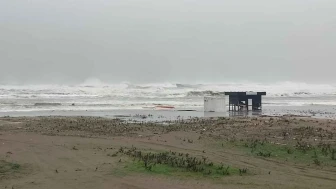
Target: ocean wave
188, 86
47, 104
154, 86
95, 88
204, 93
131, 86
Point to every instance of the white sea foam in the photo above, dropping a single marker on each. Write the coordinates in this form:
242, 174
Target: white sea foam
95, 94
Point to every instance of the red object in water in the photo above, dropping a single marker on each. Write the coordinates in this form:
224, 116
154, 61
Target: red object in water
166, 107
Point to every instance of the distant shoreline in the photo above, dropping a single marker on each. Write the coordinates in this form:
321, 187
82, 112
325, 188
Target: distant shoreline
324, 112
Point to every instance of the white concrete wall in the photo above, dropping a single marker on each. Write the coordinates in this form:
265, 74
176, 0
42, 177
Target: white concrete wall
214, 104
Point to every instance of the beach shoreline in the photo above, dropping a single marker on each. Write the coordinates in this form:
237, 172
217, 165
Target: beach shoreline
86, 152
316, 111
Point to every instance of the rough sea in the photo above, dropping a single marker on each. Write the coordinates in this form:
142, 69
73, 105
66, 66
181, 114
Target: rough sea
95, 96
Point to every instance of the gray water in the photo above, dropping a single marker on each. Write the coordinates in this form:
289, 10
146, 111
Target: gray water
128, 100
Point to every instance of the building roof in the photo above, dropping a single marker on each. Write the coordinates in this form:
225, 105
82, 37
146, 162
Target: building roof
245, 93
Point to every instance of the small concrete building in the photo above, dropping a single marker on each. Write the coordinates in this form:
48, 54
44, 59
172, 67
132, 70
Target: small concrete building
239, 101
214, 104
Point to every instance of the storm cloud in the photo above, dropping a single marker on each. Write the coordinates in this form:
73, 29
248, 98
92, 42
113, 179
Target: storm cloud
68, 41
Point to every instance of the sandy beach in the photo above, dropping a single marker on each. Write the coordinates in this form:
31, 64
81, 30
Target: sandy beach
94, 152
173, 94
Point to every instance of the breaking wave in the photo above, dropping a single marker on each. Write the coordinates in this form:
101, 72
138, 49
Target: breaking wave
96, 93
205, 93
95, 87
189, 86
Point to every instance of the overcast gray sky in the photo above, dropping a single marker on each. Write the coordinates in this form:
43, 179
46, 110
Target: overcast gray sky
58, 41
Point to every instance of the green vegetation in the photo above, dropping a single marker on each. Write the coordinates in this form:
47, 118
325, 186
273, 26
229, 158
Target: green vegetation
6, 167
168, 170
304, 153
175, 164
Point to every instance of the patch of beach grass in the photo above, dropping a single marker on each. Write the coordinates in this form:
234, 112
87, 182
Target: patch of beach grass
172, 164
296, 153
8, 167
167, 170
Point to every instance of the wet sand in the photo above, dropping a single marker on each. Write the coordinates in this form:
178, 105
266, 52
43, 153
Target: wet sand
94, 152
314, 111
